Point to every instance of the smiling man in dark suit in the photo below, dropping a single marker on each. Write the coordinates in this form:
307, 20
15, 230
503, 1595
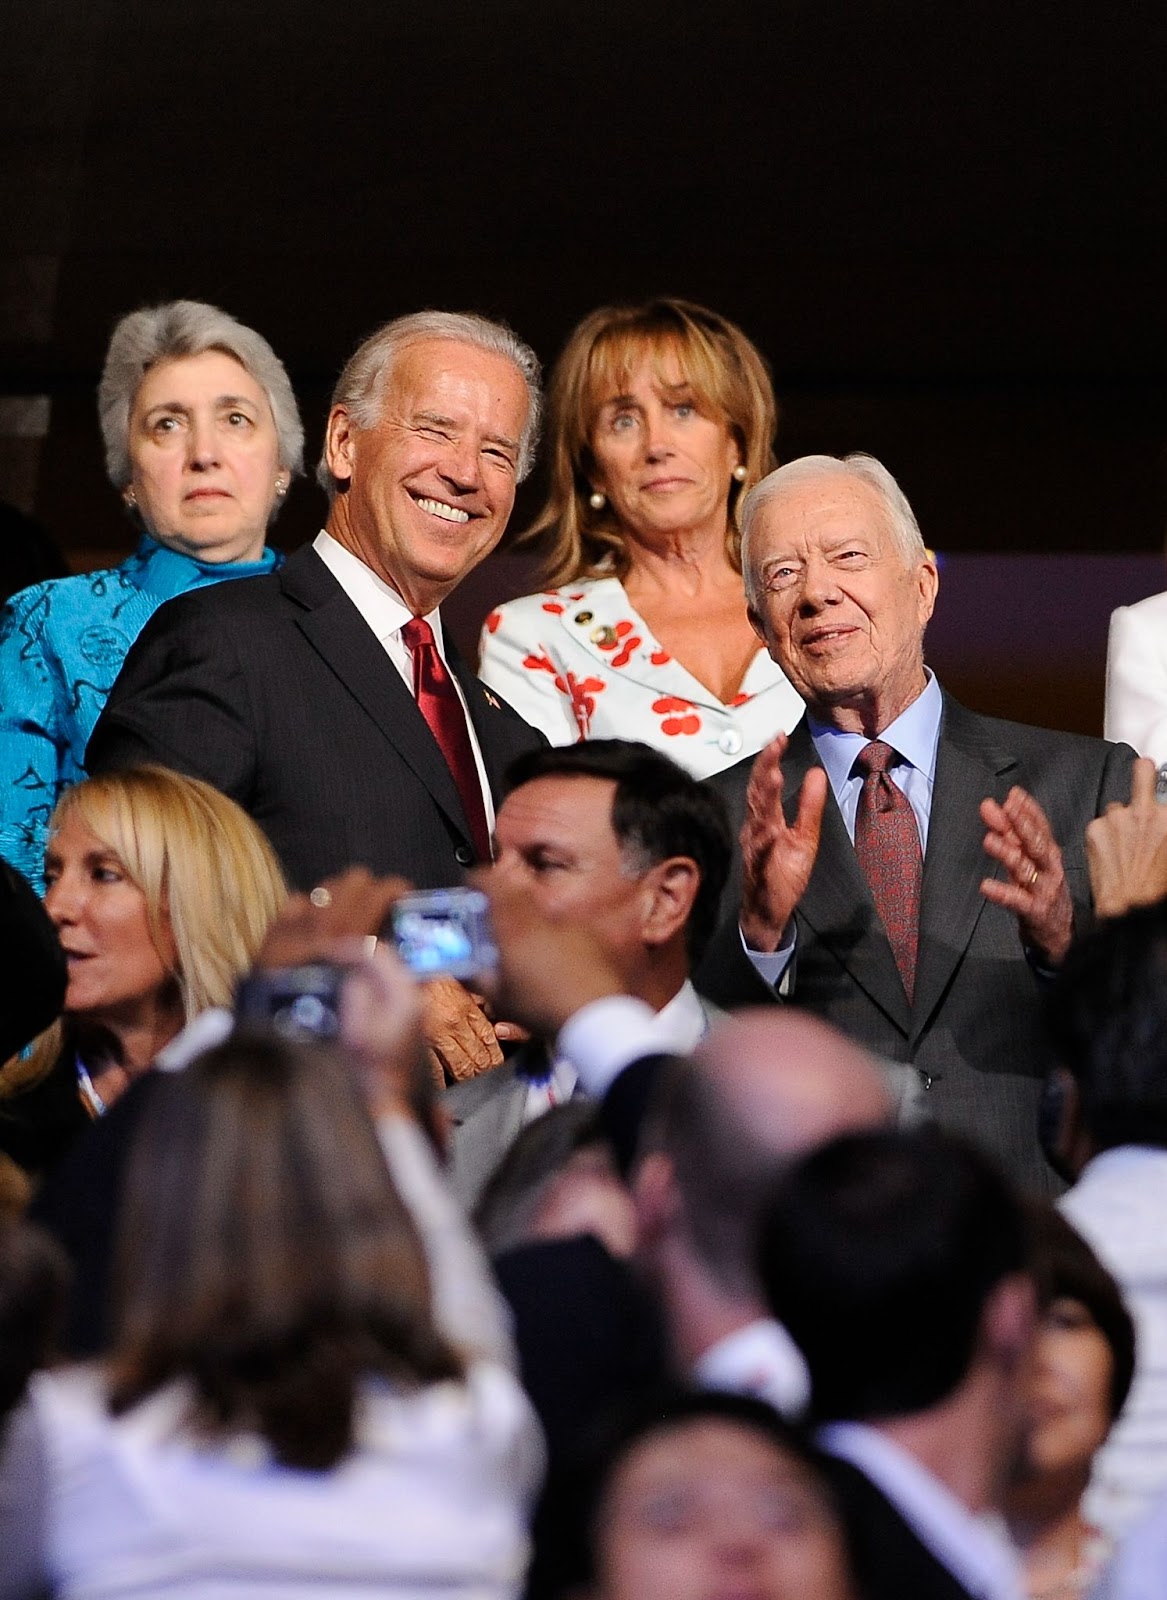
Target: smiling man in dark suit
909, 870
325, 698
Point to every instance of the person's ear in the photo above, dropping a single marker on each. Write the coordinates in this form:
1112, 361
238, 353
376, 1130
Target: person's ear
927, 586
1009, 1321
671, 887
655, 1197
340, 443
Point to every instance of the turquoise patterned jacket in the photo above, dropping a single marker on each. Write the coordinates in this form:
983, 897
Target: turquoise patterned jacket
62, 644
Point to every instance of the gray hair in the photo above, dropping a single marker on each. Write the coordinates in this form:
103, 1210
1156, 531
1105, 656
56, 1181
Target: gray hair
361, 386
901, 519
187, 328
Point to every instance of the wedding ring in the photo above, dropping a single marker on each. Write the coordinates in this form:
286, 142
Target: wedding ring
1032, 877
320, 897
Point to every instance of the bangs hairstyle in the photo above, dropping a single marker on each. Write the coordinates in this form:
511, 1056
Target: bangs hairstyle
728, 378
265, 1255
199, 859
167, 333
361, 385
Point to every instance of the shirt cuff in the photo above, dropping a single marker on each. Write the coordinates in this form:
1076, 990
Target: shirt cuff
771, 965
607, 1035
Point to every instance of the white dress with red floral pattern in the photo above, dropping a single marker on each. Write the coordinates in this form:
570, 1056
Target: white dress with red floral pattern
579, 663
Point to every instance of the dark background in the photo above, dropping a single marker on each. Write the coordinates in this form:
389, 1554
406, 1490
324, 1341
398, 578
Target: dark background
943, 223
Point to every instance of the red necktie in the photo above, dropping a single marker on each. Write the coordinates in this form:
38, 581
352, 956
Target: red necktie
439, 704
887, 843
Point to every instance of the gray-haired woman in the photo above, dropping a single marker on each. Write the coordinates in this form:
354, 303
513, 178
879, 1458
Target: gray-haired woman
202, 438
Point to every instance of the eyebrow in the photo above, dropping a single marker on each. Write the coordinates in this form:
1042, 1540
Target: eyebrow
220, 400
435, 419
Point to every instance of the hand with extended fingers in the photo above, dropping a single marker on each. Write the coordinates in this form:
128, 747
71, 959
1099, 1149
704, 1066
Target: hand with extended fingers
777, 857
1034, 887
1126, 848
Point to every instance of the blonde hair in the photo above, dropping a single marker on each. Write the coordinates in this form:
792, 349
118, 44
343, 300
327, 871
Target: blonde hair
203, 865
729, 378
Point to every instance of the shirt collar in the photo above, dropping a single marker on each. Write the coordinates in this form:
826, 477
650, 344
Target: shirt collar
973, 1548
914, 734
683, 1022
377, 601
759, 1358
163, 572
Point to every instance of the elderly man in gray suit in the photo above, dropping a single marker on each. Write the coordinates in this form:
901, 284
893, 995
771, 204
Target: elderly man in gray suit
910, 870
616, 838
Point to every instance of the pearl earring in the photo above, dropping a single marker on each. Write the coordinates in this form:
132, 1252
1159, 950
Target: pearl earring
596, 500
131, 500
281, 487
739, 473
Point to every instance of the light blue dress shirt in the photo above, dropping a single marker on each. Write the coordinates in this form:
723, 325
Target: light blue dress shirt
914, 736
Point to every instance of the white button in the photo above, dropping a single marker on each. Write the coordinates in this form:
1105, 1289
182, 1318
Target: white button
730, 741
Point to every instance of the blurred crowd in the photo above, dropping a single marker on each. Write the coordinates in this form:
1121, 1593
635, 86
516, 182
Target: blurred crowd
676, 1113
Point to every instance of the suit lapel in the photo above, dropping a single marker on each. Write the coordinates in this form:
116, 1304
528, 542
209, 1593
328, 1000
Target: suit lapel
345, 642
968, 770
837, 904
485, 709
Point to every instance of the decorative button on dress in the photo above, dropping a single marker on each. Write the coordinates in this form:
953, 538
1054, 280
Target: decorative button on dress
62, 644
579, 663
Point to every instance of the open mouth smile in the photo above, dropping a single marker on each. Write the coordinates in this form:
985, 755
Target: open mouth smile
439, 508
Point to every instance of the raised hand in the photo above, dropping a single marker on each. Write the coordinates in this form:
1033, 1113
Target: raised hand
1019, 837
777, 857
1126, 848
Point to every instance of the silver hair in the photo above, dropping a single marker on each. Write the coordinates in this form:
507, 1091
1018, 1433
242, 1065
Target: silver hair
361, 386
187, 328
901, 519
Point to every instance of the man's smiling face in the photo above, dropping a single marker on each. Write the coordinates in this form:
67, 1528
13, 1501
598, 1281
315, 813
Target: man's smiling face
431, 486
839, 605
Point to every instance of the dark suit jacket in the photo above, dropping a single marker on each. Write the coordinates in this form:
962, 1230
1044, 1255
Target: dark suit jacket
276, 690
889, 1560
975, 1030
32, 965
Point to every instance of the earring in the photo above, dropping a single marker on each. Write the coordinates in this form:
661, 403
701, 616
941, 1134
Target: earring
281, 487
131, 500
596, 500
739, 473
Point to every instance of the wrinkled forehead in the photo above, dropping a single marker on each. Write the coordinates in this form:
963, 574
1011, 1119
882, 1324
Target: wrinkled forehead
820, 514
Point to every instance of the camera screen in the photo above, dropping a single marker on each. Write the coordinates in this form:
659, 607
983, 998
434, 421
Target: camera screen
432, 941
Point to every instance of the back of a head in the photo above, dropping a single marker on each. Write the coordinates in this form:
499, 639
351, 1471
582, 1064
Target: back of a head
1108, 1014
879, 1253
766, 1086
264, 1253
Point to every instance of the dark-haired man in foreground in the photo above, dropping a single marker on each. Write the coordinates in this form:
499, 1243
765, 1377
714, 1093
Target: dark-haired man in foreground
619, 840
898, 1264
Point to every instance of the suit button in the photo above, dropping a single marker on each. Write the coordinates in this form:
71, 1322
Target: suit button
464, 856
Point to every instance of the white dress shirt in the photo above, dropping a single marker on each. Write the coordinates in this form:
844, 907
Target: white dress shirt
762, 1360
1136, 677
605, 1036
1119, 1205
975, 1549
386, 613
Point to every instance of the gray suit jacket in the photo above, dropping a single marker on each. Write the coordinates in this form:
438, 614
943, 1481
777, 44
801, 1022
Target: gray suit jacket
486, 1115
975, 1031
277, 691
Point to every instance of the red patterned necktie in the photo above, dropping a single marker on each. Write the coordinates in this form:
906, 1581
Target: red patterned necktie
887, 843
438, 702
